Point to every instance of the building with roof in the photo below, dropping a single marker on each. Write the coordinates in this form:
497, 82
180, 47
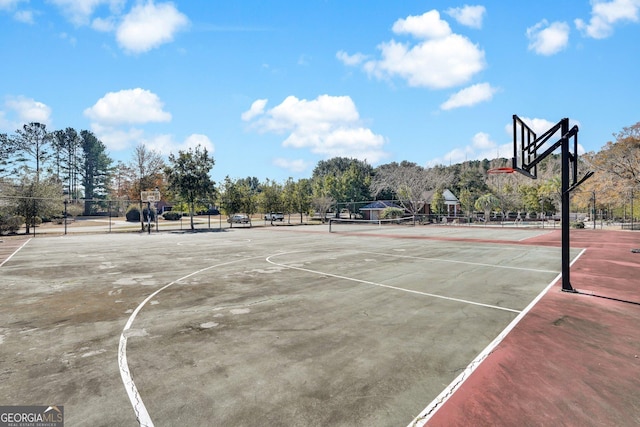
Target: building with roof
373, 210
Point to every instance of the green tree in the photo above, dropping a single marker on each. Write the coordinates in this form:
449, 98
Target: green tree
530, 198
188, 177
96, 169
297, 196
356, 181
4, 154
345, 180
487, 203
249, 200
231, 202
37, 199
466, 201
271, 197
323, 190
30, 148
472, 177
437, 202
67, 146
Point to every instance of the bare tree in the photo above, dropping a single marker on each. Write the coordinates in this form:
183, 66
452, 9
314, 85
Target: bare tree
322, 204
409, 181
622, 157
147, 167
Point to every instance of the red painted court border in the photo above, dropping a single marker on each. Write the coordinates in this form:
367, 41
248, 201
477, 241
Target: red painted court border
574, 359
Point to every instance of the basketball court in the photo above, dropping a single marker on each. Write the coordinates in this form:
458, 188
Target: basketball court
372, 326
273, 325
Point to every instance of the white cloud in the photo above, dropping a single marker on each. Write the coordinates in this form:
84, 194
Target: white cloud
165, 144
605, 14
440, 59
351, 60
470, 16
10, 4
114, 115
257, 108
127, 107
72, 40
548, 39
481, 147
328, 125
149, 25
295, 166
104, 25
26, 110
79, 11
425, 26
198, 139
539, 126
121, 139
116, 139
469, 96
24, 16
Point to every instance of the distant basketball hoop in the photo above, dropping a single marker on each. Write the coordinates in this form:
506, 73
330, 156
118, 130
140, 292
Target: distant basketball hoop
495, 171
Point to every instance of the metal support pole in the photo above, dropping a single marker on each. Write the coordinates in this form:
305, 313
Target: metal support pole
65, 216
594, 210
149, 217
566, 227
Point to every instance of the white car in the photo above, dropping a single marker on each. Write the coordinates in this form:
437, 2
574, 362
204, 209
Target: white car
274, 216
238, 219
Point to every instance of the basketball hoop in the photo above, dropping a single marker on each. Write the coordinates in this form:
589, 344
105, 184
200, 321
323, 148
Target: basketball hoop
500, 170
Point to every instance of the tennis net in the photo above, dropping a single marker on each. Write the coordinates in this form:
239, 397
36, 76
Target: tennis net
344, 225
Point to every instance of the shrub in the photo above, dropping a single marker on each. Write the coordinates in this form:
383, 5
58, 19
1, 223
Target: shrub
172, 216
34, 221
391, 213
10, 224
577, 224
133, 214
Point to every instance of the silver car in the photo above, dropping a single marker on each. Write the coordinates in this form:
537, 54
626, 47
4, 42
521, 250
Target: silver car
238, 219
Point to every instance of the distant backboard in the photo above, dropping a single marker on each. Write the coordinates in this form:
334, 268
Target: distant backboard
150, 196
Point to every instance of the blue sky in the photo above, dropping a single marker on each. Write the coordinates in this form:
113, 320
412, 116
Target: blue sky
272, 87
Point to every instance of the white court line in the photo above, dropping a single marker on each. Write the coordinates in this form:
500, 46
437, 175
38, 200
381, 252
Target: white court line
268, 259
142, 415
423, 418
463, 262
14, 252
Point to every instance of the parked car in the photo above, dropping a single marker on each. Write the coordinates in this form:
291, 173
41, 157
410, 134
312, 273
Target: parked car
274, 216
238, 219
211, 211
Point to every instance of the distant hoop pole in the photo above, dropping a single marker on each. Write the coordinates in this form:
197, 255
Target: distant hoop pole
495, 171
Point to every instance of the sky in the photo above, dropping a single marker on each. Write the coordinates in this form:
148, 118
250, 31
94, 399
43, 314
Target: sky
270, 88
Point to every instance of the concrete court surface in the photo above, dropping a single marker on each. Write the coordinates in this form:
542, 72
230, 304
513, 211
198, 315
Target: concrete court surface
287, 326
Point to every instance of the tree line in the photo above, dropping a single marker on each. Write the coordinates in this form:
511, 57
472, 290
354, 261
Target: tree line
40, 170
